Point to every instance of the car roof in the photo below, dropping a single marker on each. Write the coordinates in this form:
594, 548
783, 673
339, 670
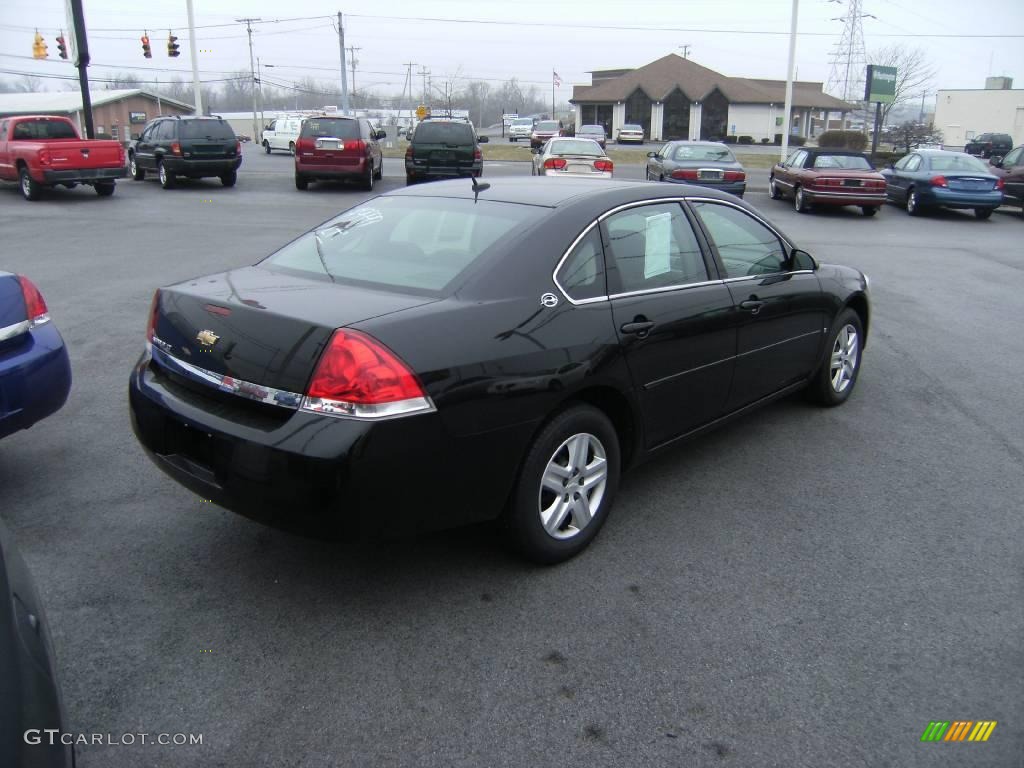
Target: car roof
833, 151
685, 142
553, 193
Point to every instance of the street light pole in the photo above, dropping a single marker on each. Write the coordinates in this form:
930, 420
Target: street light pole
197, 89
787, 120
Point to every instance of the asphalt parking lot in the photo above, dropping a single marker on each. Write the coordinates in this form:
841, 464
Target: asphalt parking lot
805, 587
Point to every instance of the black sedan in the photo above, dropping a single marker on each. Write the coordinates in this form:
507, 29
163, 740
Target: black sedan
465, 352
707, 163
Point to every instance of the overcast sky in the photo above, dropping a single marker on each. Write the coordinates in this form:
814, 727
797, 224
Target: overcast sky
520, 44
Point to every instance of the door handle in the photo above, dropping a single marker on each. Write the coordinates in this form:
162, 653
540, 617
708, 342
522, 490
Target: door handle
753, 306
638, 326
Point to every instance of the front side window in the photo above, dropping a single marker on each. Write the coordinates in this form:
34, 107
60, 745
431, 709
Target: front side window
653, 246
791, 160
745, 245
582, 274
416, 243
902, 163
3, 130
271, 126
1008, 162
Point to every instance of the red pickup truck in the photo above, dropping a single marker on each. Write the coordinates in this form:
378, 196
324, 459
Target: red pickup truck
44, 150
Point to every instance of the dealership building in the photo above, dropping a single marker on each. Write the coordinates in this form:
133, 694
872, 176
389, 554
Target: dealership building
676, 98
963, 114
116, 114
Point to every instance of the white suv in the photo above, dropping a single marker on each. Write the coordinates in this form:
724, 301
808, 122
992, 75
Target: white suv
520, 128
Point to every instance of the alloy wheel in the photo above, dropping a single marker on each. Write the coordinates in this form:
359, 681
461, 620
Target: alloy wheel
912, 202
572, 486
162, 173
26, 185
132, 167
845, 356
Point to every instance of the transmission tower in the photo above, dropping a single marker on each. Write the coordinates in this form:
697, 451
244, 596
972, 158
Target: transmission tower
849, 58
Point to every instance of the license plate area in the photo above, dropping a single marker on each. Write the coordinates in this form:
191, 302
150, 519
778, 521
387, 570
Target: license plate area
442, 157
853, 183
709, 175
330, 144
193, 444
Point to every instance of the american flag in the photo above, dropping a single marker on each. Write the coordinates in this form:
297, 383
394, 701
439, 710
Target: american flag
555, 78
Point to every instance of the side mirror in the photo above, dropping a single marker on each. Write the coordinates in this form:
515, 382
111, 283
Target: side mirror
996, 161
652, 154
800, 259
534, 150
483, 139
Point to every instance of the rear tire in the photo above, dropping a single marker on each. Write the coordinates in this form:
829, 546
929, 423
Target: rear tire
869, 210
369, 178
301, 182
136, 172
837, 376
228, 179
105, 189
266, 147
30, 188
578, 450
983, 213
167, 180
380, 171
409, 180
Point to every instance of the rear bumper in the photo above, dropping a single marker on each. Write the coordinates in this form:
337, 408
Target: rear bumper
629, 139
317, 474
844, 198
417, 171
86, 176
737, 188
199, 168
353, 170
573, 175
35, 378
948, 198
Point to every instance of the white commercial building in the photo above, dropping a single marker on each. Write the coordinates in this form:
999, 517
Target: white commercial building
963, 114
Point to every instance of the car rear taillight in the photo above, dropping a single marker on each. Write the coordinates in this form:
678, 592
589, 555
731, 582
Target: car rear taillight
1000, 184
358, 376
154, 308
734, 176
875, 183
685, 173
477, 154
44, 157
604, 165
558, 163
35, 305
175, 148
304, 145
120, 154
938, 181
357, 145
238, 147
408, 152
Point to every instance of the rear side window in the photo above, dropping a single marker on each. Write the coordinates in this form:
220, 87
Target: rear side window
582, 274
444, 133
43, 129
653, 246
416, 243
206, 129
333, 127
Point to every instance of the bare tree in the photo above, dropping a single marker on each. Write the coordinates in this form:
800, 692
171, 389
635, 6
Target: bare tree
29, 84
448, 90
914, 72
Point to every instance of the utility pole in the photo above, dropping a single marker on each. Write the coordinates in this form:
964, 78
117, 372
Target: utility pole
344, 77
352, 50
252, 71
80, 46
685, 49
424, 72
197, 89
408, 83
259, 74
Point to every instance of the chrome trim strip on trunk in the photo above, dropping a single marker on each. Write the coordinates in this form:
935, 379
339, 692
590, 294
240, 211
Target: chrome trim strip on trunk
10, 331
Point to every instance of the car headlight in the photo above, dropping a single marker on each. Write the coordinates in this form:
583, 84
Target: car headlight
867, 281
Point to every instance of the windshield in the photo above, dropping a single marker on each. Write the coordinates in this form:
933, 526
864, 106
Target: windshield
843, 162
444, 133
964, 163
419, 243
547, 125
206, 129
719, 154
330, 127
43, 129
587, 147
523, 121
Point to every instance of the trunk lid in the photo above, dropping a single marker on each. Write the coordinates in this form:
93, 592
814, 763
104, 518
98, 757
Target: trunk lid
263, 326
12, 303
968, 182
79, 154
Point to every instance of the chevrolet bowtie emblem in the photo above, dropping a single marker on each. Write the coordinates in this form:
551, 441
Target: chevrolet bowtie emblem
207, 338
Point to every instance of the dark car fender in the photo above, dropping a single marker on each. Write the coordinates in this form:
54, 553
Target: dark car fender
850, 289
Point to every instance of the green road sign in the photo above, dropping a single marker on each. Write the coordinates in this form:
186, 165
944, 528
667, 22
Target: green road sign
880, 84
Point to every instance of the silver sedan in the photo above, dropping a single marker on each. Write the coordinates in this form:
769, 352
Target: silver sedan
572, 157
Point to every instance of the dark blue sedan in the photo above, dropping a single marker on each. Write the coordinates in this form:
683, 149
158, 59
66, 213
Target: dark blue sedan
35, 375
939, 179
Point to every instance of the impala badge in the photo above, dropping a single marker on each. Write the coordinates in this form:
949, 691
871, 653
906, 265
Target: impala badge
207, 338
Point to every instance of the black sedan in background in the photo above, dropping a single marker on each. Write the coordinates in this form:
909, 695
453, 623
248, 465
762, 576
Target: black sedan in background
30, 704
706, 163
464, 352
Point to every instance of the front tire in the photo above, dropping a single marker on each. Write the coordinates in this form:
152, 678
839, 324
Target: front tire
30, 188
983, 213
913, 204
836, 378
799, 203
228, 179
105, 189
133, 168
566, 486
266, 147
167, 180
773, 190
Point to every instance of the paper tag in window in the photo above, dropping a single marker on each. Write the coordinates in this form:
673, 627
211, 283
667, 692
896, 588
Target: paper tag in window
658, 230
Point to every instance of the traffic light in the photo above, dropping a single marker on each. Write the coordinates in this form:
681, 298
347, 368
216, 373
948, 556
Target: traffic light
145, 47
62, 48
172, 46
39, 47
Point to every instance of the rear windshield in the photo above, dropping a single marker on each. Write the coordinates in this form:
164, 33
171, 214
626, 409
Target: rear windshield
720, 154
843, 162
206, 129
334, 127
43, 129
417, 243
547, 125
631, 127
576, 147
964, 163
590, 129
444, 133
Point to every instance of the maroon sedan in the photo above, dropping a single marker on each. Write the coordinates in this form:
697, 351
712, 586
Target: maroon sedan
828, 177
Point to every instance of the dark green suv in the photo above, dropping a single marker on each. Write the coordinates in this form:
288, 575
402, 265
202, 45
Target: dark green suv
195, 147
443, 148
